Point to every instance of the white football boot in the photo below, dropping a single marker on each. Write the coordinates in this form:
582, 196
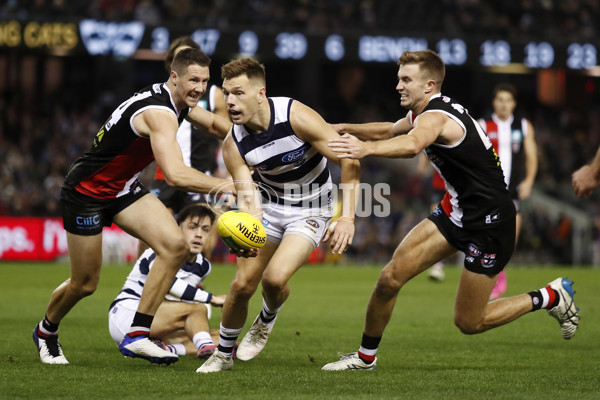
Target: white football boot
565, 312
143, 347
436, 272
349, 361
254, 340
49, 348
216, 363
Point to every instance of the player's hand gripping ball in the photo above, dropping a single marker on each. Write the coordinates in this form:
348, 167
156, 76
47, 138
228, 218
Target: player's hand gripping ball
241, 231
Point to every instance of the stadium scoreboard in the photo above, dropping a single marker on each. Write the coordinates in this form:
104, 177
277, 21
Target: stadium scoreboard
131, 39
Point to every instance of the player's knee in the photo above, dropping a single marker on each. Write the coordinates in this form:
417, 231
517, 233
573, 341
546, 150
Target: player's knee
468, 327
274, 283
199, 310
177, 251
243, 287
84, 288
181, 250
388, 282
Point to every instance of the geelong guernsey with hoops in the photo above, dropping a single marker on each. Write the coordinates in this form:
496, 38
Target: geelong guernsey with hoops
288, 170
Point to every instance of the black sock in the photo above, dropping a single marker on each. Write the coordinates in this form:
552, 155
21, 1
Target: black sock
545, 297
141, 324
49, 326
368, 348
536, 300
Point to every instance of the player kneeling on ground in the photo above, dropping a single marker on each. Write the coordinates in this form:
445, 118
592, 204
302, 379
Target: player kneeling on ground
181, 322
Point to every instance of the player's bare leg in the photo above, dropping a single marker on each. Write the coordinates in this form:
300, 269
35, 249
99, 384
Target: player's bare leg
422, 247
85, 253
474, 313
292, 253
148, 220
235, 310
183, 323
245, 282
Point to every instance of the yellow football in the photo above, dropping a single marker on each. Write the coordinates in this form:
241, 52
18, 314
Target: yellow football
240, 230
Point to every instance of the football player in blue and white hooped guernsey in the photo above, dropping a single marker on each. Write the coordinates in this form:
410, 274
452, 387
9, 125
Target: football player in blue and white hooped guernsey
286, 144
181, 321
476, 215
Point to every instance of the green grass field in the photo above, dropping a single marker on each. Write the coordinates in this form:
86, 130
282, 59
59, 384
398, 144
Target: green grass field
422, 355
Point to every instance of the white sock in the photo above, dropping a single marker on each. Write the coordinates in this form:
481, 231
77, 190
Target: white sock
177, 348
202, 338
268, 316
227, 338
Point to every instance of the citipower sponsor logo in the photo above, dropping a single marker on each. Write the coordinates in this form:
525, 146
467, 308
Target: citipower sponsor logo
310, 199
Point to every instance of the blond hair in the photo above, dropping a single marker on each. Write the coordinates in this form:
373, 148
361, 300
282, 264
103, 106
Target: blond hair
428, 61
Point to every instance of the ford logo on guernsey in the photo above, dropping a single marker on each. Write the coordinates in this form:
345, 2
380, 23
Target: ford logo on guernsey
293, 156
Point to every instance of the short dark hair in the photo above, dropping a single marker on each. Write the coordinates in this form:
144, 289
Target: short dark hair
505, 87
195, 210
187, 57
175, 44
244, 66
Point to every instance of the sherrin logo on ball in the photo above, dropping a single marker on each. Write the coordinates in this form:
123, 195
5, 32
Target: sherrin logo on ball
241, 230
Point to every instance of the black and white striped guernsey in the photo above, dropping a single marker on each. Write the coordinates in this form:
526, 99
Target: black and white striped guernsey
476, 195
288, 170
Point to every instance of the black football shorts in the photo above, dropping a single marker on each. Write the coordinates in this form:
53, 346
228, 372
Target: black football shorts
487, 251
86, 216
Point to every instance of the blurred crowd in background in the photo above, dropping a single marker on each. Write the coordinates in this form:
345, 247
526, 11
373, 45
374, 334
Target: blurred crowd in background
42, 133
548, 18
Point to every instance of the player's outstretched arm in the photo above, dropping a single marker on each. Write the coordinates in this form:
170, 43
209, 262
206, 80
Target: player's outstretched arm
218, 300
161, 127
374, 130
182, 291
424, 133
215, 124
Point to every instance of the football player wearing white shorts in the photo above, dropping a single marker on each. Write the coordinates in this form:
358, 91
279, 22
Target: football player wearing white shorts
181, 322
286, 145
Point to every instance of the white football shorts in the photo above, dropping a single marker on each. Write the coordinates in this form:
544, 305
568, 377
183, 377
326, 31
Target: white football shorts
120, 317
310, 223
